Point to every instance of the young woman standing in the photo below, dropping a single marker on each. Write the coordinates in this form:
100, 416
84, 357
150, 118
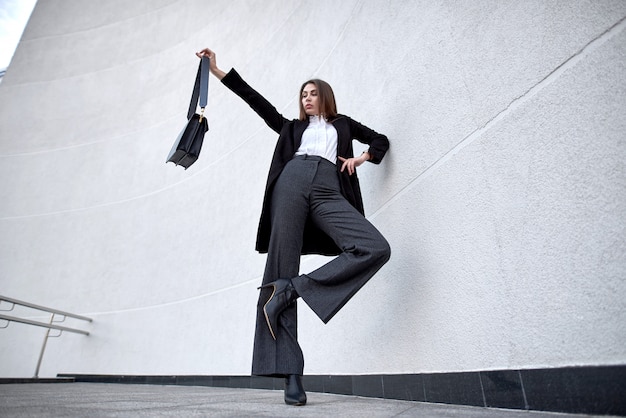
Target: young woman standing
313, 205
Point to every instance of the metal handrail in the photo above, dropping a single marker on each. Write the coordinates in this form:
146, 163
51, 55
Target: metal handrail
42, 324
49, 325
43, 308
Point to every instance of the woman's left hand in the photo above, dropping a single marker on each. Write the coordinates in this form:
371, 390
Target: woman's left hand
352, 163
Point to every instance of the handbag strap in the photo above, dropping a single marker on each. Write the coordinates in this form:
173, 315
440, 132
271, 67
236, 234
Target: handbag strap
200, 88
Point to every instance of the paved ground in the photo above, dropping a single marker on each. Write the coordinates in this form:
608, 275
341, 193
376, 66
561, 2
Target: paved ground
124, 400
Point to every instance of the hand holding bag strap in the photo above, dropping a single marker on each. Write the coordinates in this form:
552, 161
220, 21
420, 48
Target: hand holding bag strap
200, 88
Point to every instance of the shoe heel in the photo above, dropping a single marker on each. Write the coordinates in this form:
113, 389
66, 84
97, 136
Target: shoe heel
265, 286
283, 294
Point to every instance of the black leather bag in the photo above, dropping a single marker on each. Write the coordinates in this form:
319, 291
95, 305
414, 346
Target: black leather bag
187, 146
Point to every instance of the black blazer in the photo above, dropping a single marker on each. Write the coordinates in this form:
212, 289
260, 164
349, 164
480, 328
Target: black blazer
290, 135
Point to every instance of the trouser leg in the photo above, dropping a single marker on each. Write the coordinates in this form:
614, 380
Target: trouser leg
289, 211
364, 250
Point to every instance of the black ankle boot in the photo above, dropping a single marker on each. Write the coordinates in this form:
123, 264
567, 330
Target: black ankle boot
284, 294
294, 392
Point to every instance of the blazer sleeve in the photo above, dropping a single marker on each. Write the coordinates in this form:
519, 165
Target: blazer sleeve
255, 100
379, 144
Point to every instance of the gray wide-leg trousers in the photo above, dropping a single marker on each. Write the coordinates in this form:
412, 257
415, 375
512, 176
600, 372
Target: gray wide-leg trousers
309, 187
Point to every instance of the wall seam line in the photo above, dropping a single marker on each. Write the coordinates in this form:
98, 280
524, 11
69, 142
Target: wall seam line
550, 78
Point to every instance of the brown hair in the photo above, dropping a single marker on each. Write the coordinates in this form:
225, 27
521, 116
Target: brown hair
328, 107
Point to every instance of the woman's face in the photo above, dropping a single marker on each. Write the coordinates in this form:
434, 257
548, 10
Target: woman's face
310, 101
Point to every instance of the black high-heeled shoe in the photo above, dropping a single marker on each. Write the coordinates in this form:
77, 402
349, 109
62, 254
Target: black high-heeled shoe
294, 392
284, 294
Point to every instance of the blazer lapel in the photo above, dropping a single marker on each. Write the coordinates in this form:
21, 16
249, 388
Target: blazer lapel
344, 141
298, 130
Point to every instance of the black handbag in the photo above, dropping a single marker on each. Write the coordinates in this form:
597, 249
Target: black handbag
187, 146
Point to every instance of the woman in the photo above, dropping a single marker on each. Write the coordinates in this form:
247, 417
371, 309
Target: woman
312, 204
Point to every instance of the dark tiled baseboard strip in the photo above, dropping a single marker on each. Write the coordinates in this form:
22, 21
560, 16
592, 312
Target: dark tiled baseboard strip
588, 390
14, 380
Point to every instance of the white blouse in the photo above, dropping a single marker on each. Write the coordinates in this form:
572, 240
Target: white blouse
319, 138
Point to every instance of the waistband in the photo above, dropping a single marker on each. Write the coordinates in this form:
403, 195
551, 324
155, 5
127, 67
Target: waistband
312, 158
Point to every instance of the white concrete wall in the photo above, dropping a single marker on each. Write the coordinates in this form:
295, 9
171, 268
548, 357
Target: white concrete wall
503, 195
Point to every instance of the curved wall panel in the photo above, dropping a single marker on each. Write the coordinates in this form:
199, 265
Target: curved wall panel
503, 195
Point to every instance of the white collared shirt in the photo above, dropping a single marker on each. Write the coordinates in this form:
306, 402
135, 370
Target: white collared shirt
319, 138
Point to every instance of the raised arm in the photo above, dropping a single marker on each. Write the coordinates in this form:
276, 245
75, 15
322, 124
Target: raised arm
255, 100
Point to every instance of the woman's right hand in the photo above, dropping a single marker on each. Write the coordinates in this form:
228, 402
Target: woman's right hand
206, 52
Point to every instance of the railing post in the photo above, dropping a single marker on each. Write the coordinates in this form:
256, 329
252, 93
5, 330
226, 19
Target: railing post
43, 347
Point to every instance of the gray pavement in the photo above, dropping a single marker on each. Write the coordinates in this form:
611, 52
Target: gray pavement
125, 400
